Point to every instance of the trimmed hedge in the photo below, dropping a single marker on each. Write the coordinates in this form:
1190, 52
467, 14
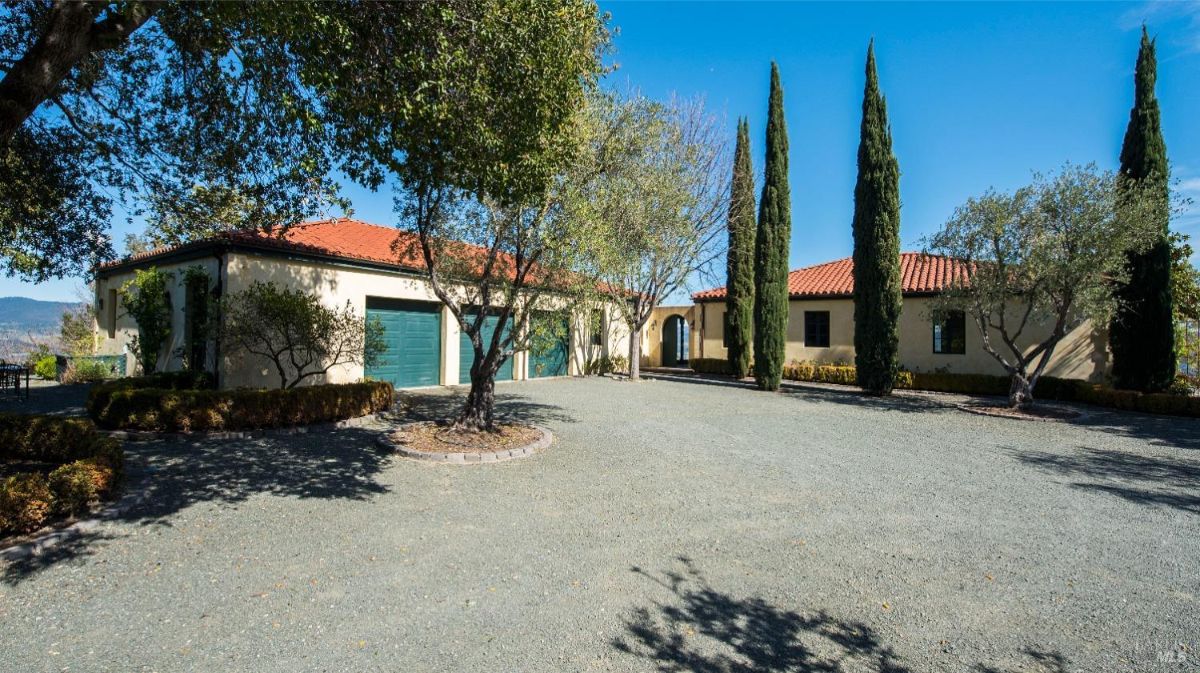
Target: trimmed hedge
166, 410
1048, 388
710, 366
89, 467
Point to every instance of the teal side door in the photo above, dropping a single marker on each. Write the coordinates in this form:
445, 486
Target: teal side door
466, 354
548, 355
412, 334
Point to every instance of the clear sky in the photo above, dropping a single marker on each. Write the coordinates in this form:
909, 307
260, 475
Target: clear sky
979, 95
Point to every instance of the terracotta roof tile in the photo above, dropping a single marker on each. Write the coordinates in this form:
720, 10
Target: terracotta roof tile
919, 273
348, 239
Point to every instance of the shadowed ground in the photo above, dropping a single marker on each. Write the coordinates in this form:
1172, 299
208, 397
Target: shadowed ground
671, 527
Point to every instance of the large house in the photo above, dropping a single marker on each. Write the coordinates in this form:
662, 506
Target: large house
339, 260
821, 324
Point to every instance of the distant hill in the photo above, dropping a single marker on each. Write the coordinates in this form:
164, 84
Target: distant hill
22, 314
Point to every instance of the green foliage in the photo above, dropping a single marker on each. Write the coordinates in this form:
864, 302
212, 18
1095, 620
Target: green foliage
183, 410
877, 297
76, 331
147, 299
1142, 333
25, 503
40, 352
199, 313
518, 71
606, 364
739, 277
295, 332
1047, 253
655, 210
1185, 279
152, 100
771, 249
48, 439
89, 466
86, 370
46, 367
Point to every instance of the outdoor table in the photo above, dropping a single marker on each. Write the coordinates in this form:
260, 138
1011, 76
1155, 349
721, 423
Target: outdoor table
10, 379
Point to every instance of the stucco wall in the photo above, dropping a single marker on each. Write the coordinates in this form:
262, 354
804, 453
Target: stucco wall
653, 339
1082, 354
125, 327
336, 285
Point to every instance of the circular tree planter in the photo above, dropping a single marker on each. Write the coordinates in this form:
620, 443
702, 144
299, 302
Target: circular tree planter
435, 443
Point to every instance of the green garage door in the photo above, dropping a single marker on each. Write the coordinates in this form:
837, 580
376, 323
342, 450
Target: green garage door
412, 331
466, 354
548, 354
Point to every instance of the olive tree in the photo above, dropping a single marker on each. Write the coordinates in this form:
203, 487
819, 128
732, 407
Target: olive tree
159, 104
658, 201
298, 334
1041, 260
470, 109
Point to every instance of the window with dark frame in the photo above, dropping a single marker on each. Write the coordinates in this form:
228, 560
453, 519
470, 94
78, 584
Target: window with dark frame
950, 334
816, 329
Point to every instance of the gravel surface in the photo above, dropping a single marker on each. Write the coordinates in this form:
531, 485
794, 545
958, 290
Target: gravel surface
672, 526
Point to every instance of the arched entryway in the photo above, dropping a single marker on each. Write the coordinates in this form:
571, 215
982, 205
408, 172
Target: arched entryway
676, 333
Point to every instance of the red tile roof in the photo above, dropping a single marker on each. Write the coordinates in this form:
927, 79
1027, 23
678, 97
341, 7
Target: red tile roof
339, 237
919, 273
342, 238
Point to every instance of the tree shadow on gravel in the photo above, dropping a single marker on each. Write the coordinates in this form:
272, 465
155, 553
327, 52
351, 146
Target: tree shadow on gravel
1040, 661
75, 549
704, 630
164, 477
1156, 481
442, 405
1172, 431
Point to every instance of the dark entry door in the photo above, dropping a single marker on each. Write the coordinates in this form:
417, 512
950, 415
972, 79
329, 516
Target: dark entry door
670, 345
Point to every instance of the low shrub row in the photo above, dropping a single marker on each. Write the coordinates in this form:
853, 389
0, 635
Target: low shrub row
605, 365
100, 393
1048, 388
89, 466
710, 366
803, 371
181, 410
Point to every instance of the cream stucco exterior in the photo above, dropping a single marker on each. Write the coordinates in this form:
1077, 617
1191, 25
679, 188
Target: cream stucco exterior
1082, 353
337, 283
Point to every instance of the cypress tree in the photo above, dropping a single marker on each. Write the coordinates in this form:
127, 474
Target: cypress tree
876, 245
771, 249
739, 285
1142, 333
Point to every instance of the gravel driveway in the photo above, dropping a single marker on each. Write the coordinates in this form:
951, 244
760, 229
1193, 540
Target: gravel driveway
672, 526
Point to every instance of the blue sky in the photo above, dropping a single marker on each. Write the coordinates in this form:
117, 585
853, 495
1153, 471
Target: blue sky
979, 95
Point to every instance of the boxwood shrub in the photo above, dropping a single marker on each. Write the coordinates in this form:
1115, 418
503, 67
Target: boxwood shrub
182, 410
87, 467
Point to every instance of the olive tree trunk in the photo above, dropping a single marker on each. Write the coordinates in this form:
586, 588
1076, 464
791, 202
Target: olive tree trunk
635, 354
479, 412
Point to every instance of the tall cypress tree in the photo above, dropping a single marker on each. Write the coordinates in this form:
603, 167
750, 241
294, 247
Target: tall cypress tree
876, 245
771, 249
739, 285
1142, 333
